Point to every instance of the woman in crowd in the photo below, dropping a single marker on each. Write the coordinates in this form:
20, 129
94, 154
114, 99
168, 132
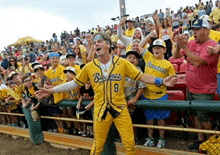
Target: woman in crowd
13, 65
165, 33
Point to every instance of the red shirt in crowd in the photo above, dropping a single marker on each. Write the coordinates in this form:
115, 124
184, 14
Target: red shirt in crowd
203, 79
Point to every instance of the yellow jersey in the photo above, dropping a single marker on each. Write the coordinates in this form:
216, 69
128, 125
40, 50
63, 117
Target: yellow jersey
3, 94
82, 48
57, 76
129, 33
109, 92
215, 14
26, 69
73, 94
12, 93
114, 38
159, 68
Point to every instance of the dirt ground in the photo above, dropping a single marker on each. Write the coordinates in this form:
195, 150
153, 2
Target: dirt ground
23, 146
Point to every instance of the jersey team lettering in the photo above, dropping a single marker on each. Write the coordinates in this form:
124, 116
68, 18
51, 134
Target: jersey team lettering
101, 78
157, 68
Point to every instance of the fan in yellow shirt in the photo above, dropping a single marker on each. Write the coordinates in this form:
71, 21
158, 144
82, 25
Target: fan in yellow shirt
82, 47
70, 112
129, 32
215, 14
114, 37
55, 75
157, 66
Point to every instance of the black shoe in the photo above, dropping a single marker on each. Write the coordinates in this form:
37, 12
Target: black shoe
195, 146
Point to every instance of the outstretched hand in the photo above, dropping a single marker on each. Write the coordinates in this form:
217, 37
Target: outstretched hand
43, 92
170, 81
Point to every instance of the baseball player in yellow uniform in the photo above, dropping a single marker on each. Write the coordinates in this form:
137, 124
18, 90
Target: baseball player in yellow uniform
107, 75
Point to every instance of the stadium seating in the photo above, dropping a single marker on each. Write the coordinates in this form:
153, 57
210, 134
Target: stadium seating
182, 69
176, 67
177, 61
175, 115
175, 95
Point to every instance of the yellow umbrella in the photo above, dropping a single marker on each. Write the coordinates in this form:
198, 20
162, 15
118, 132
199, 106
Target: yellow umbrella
24, 40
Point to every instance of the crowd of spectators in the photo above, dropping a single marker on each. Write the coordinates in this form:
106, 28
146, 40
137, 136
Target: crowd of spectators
27, 68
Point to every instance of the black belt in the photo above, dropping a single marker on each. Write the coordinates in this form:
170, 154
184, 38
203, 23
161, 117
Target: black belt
112, 111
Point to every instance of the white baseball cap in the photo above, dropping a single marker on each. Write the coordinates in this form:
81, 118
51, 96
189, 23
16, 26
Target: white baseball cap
70, 69
200, 23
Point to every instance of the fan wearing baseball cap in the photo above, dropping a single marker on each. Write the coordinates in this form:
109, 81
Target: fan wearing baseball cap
199, 65
70, 112
215, 35
71, 59
157, 66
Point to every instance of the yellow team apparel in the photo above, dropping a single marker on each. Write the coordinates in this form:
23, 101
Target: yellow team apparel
111, 92
114, 38
3, 94
26, 69
211, 146
14, 94
109, 97
216, 15
129, 33
158, 68
78, 69
73, 94
82, 48
56, 77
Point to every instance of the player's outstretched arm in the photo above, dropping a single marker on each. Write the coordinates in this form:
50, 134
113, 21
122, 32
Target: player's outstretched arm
168, 81
43, 92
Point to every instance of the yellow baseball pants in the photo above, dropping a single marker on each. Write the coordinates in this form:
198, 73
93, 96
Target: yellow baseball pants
124, 125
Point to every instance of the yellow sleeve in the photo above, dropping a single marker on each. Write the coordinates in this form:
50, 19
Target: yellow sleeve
131, 71
83, 76
146, 55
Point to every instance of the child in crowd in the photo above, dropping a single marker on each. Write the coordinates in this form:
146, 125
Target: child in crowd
71, 59
40, 79
55, 76
69, 112
86, 93
157, 66
13, 100
6, 119
133, 89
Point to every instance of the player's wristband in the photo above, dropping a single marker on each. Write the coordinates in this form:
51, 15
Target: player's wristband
158, 81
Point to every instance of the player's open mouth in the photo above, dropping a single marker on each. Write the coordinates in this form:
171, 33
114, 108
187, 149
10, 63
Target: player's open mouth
98, 49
